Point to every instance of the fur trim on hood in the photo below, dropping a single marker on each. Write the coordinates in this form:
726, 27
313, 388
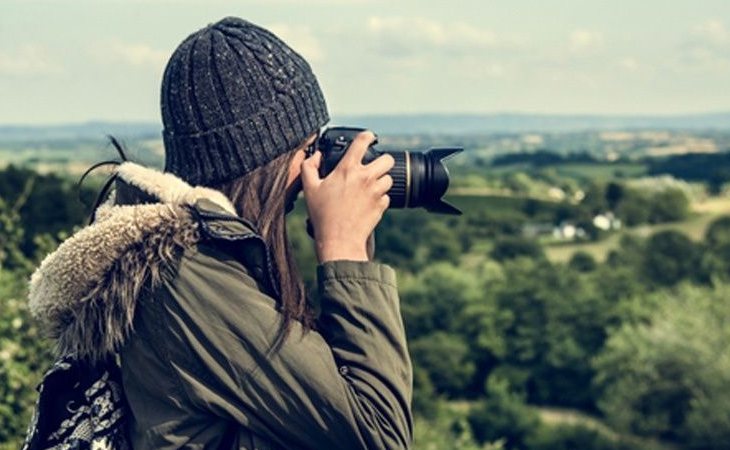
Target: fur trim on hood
85, 292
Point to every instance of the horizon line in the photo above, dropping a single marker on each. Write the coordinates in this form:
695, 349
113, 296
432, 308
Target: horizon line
401, 114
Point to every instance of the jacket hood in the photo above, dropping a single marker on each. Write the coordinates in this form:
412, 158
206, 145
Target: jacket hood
84, 293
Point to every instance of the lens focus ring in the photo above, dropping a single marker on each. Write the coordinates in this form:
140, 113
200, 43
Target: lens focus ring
399, 193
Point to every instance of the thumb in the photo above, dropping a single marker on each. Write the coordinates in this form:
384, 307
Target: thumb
310, 171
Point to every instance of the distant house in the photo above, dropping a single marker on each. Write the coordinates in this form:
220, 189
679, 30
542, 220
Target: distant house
556, 193
607, 222
567, 231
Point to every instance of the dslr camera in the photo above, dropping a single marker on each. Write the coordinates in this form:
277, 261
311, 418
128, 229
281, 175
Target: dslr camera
420, 179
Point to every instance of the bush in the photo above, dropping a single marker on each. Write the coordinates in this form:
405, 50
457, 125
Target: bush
24, 356
449, 430
445, 357
425, 402
502, 416
572, 437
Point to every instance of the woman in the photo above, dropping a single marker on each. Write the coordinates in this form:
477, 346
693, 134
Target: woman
188, 276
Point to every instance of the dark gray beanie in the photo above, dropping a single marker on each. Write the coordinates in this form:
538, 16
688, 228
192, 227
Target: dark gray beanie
234, 97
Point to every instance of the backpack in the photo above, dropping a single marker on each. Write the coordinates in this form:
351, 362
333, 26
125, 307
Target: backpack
80, 406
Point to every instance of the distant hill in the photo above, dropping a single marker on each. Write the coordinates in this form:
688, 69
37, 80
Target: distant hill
405, 124
79, 131
520, 123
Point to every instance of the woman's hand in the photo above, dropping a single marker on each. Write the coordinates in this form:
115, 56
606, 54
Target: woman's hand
346, 205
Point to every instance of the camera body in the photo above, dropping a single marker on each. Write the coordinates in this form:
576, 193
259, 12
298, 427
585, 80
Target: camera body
419, 179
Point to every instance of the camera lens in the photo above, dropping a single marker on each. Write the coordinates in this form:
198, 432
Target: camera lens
419, 179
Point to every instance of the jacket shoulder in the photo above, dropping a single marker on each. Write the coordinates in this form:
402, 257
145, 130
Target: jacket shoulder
238, 238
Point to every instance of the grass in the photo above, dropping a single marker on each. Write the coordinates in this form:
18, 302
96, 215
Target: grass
600, 171
597, 171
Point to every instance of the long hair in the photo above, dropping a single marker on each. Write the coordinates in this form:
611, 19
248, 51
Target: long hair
260, 197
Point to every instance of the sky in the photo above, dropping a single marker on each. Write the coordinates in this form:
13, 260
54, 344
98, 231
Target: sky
65, 61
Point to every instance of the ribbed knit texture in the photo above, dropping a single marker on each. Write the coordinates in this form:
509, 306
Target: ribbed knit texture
234, 97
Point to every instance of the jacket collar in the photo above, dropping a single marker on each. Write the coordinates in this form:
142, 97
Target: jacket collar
85, 292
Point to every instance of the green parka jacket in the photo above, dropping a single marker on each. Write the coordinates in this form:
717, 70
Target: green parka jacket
183, 290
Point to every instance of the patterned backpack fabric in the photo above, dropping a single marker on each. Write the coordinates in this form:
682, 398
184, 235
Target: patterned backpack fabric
80, 406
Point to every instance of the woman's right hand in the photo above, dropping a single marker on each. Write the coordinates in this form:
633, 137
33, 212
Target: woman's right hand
346, 205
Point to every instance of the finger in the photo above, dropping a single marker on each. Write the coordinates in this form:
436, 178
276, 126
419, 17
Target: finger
358, 148
380, 166
384, 202
383, 185
310, 171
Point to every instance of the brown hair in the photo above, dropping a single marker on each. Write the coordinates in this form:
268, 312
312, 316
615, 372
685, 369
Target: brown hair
260, 197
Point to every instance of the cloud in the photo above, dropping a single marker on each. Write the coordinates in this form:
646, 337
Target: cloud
404, 35
137, 54
713, 31
630, 64
582, 41
28, 59
452, 49
301, 39
708, 47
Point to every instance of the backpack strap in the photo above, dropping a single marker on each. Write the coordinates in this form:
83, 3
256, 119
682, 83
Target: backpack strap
80, 405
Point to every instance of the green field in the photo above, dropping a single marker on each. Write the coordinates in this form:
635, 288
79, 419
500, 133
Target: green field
600, 171
694, 227
596, 171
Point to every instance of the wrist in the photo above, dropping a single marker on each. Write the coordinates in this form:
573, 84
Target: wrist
335, 251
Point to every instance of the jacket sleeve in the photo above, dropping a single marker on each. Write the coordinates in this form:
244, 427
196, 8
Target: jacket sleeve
347, 386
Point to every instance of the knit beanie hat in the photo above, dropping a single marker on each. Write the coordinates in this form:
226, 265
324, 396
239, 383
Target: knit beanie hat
234, 97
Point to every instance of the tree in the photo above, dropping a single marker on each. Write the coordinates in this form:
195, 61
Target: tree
614, 194
718, 232
510, 247
582, 262
437, 299
670, 257
502, 415
456, 306
716, 257
669, 205
45, 204
445, 357
666, 371
634, 208
556, 323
